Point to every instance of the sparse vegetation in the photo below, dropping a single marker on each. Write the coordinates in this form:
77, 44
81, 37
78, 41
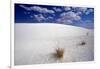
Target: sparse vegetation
60, 53
82, 43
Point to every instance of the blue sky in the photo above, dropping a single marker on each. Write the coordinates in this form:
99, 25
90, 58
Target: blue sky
68, 15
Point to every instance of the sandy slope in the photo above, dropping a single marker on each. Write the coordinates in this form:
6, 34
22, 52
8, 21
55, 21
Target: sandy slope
36, 43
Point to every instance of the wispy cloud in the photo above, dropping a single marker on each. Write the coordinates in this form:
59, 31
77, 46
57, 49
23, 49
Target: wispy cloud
39, 17
37, 8
67, 8
89, 11
57, 9
26, 8
49, 18
68, 17
82, 10
86, 24
64, 21
59, 14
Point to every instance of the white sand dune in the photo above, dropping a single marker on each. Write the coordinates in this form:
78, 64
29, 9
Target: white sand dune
36, 43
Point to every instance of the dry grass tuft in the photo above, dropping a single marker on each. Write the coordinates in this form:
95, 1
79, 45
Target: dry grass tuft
83, 43
60, 53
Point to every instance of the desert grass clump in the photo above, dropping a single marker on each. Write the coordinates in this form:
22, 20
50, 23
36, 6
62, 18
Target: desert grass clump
82, 43
60, 53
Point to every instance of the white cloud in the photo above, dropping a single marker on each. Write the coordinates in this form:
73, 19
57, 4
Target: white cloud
70, 15
85, 10
69, 21
79, 9
26, 8
64, 21
82, 9
39, 17
78, 13
87, 24
49, 17
38, 9
41, 10
67, 8
89, 11
57, 9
